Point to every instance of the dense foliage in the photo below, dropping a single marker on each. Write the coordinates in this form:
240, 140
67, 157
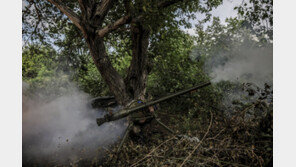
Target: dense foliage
258, 16
238, 133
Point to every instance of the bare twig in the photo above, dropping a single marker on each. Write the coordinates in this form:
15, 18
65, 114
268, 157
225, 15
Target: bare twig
152, 151
195, 148
225, 162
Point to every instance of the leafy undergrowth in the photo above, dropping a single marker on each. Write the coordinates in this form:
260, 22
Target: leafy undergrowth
237, 140
238, 135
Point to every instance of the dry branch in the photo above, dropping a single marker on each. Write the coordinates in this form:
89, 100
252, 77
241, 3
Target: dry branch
64, 9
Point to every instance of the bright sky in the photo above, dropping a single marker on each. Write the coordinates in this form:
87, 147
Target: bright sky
223, 11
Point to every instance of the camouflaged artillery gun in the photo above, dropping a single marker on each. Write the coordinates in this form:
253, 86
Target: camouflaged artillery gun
129, 111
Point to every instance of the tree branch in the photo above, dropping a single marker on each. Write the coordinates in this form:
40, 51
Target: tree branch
82, 7
103, 9
86, 7
118, 23
127, 19
127, 6
165, 4
64, 9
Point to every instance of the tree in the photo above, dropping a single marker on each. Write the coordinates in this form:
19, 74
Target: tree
258, 15
137, 22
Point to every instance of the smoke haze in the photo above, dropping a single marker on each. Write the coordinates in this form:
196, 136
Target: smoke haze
64, 130
247, 64
244, 64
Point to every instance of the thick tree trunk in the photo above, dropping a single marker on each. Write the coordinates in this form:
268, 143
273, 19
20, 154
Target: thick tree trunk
133, 87
137, 74
114, 81
90, 22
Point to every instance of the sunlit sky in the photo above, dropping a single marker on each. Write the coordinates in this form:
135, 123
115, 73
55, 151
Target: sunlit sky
223, 11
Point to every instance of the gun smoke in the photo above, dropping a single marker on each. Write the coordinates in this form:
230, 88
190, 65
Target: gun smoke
64, 130
245, 64
242, 64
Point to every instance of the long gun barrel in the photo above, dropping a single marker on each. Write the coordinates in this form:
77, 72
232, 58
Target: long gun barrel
127, 111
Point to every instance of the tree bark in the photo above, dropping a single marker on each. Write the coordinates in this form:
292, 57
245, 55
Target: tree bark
133, 87
114, 81
138, 71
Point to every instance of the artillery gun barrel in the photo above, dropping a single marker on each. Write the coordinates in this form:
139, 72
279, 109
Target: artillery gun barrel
127, 111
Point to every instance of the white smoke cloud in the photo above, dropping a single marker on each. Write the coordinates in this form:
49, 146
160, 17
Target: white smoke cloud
64, 130
241, 61
253, 65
